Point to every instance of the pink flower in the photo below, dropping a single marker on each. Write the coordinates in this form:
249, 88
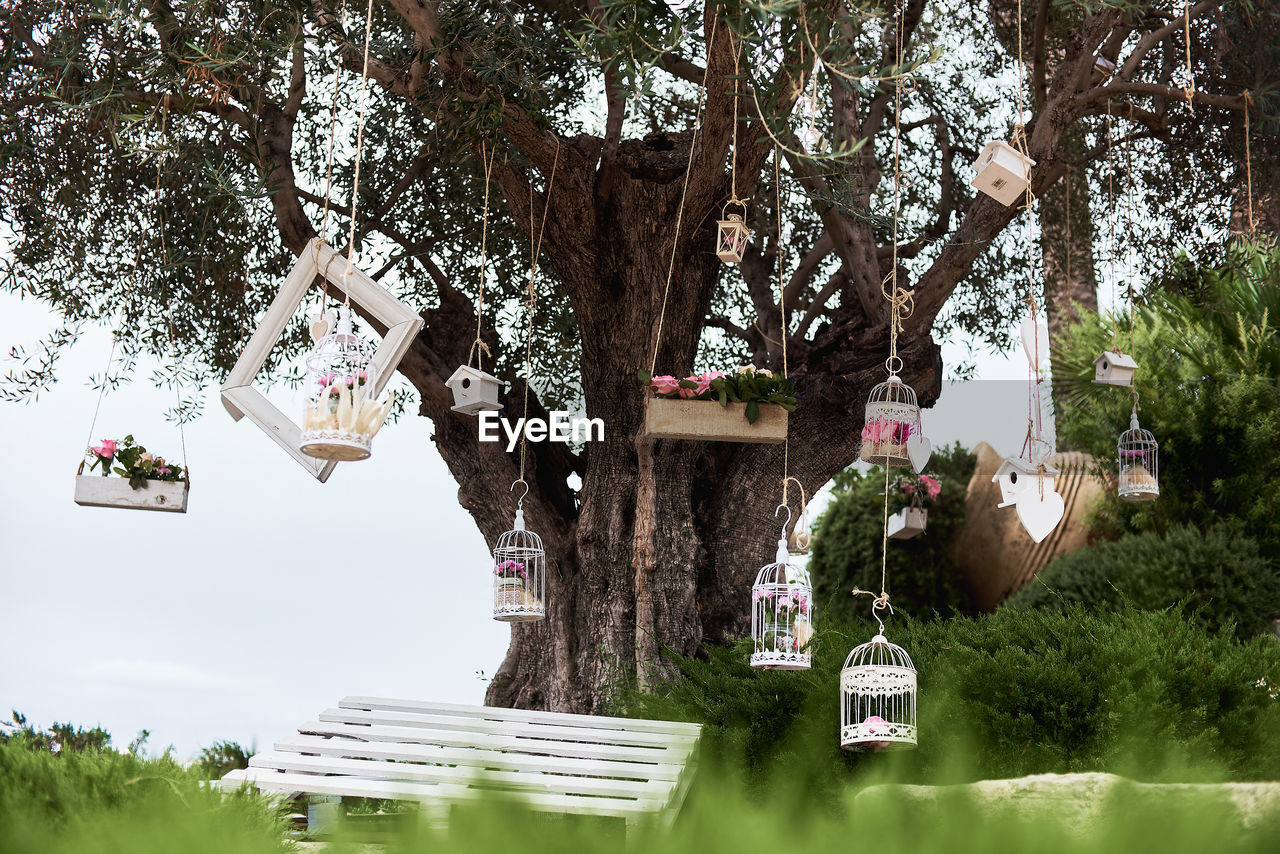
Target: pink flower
931, 486
163, 470
908, 488
665, 385
687, 393
106, 450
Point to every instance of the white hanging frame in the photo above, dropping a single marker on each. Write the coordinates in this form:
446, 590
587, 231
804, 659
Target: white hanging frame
242, 399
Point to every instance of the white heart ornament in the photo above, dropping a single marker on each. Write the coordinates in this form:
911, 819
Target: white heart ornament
918, 451
1040, 515
1035, 341
321, 324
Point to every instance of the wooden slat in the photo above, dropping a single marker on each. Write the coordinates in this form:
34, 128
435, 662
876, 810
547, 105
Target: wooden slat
113, 491
503, 714
526, 730
281, 781
615, 752
475, 757
655, 793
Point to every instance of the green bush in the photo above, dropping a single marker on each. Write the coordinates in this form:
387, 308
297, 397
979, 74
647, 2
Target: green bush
1218, 573
848, 539
1148, 694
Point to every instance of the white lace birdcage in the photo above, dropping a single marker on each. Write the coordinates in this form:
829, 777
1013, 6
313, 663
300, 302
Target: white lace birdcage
878, 696
892, 420
1138, 455
781, 615
343, 414
519, 573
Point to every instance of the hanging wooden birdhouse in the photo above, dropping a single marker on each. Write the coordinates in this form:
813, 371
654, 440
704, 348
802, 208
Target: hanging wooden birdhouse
878, 697
907, 523
1114, 368
732, 234
474, 391
1002, 172
1103, 68
781, 615
1017, 476
891, 432
1138, 457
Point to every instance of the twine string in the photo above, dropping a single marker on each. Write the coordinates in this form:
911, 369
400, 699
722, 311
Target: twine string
1248, 164
478, 346
362, 115
535, 249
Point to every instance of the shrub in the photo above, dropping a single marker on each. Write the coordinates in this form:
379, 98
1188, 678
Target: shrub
1218, 573
1149, 694
848, 539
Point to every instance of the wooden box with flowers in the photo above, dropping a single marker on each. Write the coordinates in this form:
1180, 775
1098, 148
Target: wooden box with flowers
749, 405
909, 496
143, 482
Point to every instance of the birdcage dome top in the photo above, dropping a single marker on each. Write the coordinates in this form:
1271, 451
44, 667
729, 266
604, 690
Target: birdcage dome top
1137, 435
780, 572
879, 652
892, 390
341, 351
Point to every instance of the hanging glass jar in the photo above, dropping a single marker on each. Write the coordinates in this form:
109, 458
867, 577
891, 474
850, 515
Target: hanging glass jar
891, 429
878, 695
519, 572
781, 614
1138, 457
343, 413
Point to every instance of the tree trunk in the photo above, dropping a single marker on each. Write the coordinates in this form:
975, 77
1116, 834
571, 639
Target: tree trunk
1066, 229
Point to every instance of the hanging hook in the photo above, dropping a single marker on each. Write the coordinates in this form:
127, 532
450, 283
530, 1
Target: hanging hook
786, 523
879, 604
520, 500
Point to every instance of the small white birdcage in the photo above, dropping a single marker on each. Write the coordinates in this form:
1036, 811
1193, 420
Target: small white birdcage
519, 573
732, 233
892, 422
781, 615
1138, 457
343, 413
878, 695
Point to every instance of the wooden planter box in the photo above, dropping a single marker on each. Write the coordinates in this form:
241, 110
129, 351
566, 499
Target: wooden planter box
94, 490
708, 421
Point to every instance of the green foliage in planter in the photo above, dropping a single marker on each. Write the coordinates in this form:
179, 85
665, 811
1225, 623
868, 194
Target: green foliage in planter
746, 385
1218, 572
1152, 695
849, 534
1208, 353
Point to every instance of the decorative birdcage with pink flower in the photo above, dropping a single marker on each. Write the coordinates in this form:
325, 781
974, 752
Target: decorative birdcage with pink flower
1138, 457
892, 423
519, 576
878, 695
781, 615
343, 413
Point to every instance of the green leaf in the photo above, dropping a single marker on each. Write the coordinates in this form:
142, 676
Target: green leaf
753, 411
644, 376
688, 384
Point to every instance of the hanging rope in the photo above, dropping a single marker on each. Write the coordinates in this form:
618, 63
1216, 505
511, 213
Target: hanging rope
361, 113
535, 248
684, 192
1128, 168
733, 156
328, 169
478, 348
1248, 164
1111, 235
1190, 89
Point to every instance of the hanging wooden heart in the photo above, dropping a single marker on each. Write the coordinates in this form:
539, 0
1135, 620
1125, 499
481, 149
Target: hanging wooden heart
321, 324
918, 451
1035, 341
1040, 514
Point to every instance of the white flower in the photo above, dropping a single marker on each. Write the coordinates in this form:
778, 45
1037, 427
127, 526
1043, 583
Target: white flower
745, 369
765, 372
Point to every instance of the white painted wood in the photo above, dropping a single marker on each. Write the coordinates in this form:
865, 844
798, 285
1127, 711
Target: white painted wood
94, 490
474, 391
478, 758
908, 522
524, 715
531, 730
402, 323
1002, 172
441, 753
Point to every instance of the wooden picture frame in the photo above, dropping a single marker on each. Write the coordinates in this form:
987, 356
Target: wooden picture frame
238, 393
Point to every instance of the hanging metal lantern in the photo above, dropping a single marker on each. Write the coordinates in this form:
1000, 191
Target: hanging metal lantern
342, 414
781, 613
732, 233
519, 572
1138, 455
878, 695
892, 427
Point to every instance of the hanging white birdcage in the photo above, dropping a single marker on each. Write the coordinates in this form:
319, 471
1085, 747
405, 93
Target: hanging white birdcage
519, 573
878, 696
343, 413
781, 614
891, 431
1138, 455
732, 234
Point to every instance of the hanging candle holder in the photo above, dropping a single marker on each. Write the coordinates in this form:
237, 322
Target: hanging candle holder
1138, 457
781, 612
878, 694
519, 576
891, 433
732, 233
343, 413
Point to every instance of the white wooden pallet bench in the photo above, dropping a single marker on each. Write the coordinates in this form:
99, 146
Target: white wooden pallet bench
440, 754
